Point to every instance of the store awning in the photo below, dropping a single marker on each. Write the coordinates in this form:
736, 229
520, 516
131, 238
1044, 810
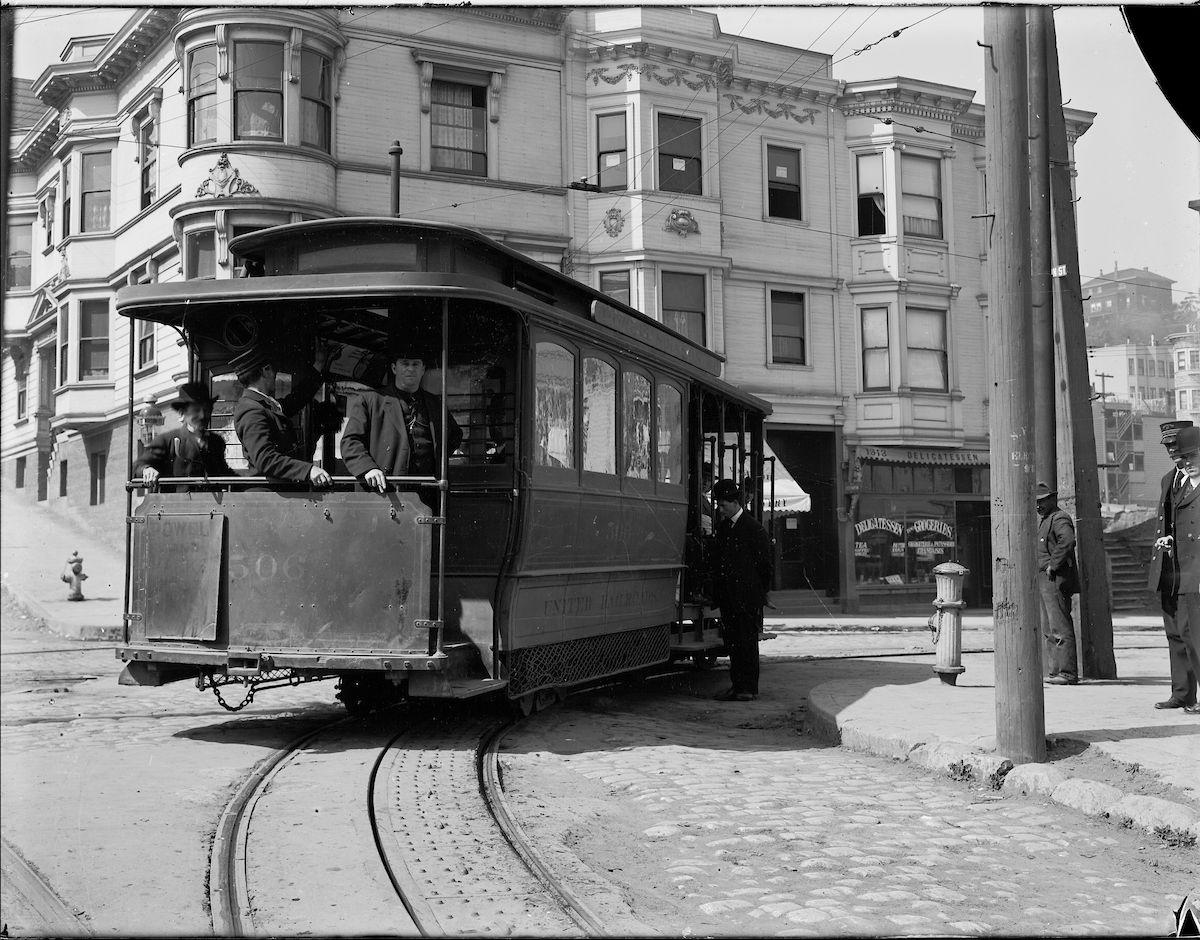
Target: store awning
789, 496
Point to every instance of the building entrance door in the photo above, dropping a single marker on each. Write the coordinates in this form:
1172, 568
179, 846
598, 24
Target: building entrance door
973, 520
806, 543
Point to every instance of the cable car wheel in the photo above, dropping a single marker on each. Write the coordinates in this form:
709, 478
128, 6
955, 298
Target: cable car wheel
536, 701
363, 694
704, 660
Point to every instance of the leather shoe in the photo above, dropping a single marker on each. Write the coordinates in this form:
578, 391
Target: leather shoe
1192, 709
1059, 679
1171, 703
746, 696
729, 695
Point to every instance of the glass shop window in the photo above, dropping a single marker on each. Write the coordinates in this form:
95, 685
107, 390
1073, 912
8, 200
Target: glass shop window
554, 407
599, 416
635, 425
900, 540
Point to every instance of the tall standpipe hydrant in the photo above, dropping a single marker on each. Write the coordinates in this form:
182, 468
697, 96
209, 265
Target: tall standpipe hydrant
74, 576
946, 624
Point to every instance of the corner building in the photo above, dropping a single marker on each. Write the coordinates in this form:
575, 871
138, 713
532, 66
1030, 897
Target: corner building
818, 234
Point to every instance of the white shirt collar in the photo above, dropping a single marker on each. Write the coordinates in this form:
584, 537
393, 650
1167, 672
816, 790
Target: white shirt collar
274, 402
735, 517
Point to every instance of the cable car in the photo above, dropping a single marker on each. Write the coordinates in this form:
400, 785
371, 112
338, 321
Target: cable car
564, 540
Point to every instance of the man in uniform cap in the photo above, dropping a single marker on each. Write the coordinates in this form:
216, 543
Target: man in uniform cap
397, 430
743, 569
1186, 547
1058, 580
1164, 572
263, 423
190, 450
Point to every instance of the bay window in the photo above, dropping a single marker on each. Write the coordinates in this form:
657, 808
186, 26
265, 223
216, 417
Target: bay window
202, 95
147, 161
257, 90
876, 359
18, 256
316, 92
615, 284
872, 219
921, 204
683, 308
612, 167
95, 191
93, 339
201, 255
927, 361
783, 183
679, 161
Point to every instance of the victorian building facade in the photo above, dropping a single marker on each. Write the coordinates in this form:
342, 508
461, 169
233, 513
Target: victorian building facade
824, 237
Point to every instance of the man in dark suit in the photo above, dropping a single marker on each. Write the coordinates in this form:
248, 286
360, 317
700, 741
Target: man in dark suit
190, 450
1164, 572
263, 425
742, 576
1058, 581
1187, 551
396, 430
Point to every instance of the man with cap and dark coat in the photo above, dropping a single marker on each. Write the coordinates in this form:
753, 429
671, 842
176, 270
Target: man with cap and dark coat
1164, 572
397, 430
268, 438
743, 566
1058, 580
1186, 547
190, 450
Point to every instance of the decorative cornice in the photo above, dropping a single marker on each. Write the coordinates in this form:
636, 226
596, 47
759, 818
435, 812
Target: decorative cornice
548, 18
783, 110
224, 180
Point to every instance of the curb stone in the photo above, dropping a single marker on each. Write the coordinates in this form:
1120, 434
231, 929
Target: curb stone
959, 761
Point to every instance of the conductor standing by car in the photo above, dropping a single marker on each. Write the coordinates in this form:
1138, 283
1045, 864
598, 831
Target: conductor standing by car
1187, 549
743, 571
1164, 572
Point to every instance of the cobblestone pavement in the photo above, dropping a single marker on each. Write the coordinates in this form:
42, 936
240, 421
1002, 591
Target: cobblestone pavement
728, 820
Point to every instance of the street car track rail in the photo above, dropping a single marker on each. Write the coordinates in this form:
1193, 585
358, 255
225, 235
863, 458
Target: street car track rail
38, 897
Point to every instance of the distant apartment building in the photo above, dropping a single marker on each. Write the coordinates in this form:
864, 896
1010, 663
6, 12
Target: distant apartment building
1141, 374
1130, 457
1185, 352
1125, 303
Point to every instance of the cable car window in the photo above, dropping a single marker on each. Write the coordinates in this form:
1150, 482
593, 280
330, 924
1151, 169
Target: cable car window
554, 411
635, 425
670, 434
599, 416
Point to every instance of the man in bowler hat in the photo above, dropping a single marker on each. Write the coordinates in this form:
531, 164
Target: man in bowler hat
1164, 572
1058, 581
743, 568
190, 450
397, 430
1186, 547
271, 444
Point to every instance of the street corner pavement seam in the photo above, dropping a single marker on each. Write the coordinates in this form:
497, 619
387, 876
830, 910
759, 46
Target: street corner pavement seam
959, 761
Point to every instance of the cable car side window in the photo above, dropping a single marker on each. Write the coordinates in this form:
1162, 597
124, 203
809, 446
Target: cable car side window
599, 416
669, 404
554, 407
635, 425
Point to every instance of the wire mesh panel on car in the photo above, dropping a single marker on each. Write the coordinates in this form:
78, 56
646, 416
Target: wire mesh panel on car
574, 661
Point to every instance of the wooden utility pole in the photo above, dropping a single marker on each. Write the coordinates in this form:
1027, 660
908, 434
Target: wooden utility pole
1095, 630
1020, 701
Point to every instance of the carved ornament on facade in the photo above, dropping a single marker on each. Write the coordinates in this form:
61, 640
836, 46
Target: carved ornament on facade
225, 180
682, 223
696, 81
614, 221
782, 110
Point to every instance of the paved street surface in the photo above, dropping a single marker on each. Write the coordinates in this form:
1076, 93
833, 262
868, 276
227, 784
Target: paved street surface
729, 820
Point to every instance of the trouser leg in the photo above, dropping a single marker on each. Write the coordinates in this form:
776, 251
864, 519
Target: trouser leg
1183, 679
1188, 621
741, 639
1060, 629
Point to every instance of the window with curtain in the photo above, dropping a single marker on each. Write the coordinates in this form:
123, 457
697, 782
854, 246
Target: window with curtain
877, 373
599, 416
95, 191
316, 100
257, 75
683, 304
147, 161
615, 284
921, 187
145, 343
554, 407
18, 256
612, 167
872, 219
635, 425
669, 402
458, 125
202, 95
927, 365
787, 327
93, 339
679, 163
783, 183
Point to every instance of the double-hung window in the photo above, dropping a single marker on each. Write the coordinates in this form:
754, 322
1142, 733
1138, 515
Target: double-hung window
921, 204
612, 152
683, 305
615, 284
95, 191
201, 255
316, 83
787, 327
872, 219
876, 357
93, 339
64, 344
148, 161
66, 202
145, 343
202, 95
679, 163
783, 183
258, 90
18, 253
458, 126
22, 393
927, 361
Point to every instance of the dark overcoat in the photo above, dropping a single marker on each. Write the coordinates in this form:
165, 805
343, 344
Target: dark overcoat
269, 440
744, 565
1187, 539
184, 453
1164, 568
375, 436
1056, 548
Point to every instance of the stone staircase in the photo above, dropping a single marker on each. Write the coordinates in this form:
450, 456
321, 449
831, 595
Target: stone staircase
1128, 562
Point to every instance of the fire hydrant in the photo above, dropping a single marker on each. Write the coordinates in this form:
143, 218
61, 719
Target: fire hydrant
946, 624
74, 576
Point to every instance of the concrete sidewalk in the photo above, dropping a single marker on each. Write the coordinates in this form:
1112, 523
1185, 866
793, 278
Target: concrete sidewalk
1114, 755
34, 547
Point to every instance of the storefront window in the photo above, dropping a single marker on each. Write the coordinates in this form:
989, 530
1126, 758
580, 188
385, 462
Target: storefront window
901, 539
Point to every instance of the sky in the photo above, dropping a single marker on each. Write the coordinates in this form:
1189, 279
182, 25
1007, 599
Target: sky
1138, 165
